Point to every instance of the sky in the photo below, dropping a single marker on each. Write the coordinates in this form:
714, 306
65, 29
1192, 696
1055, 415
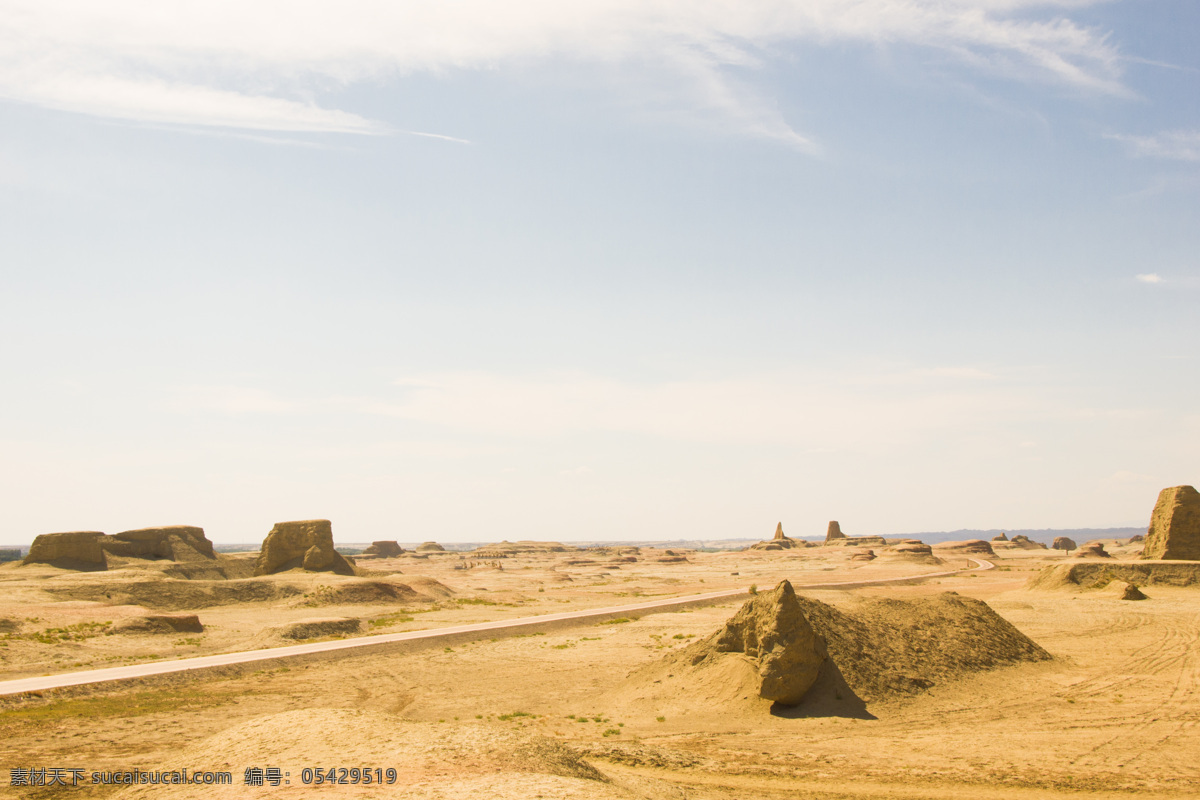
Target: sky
595, 270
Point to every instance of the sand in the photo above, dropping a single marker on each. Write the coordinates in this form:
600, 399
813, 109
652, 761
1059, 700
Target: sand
1112, 713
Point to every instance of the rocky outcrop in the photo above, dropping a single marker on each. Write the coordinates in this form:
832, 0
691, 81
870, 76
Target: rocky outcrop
173, 542
160, 623
1092, 550
791, 649
968, 547
771, 631
862, 554
1003, 537
1174, 532
779, 542
430, 547
72, 550
90, 549
307, 544
1063, 543
1025, 543
835, 537
911, 550
1126, 591
389, 549
317, 627
1098, 574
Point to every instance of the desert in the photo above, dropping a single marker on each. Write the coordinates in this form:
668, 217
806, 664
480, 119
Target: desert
951, 671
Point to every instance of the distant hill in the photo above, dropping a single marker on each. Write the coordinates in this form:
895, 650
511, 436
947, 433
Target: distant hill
1044, 535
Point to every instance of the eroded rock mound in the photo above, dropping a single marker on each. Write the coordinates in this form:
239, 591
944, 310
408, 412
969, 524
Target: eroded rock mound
779, 542
968, 547
73, 549
835, 536
1025, 543
887, 647
771, 632
1063, 543
388, 549
913, 550
362, 592
317, 627
1003, 537
430, 547
176, 595
1098, 574
1126, 591
862, 554
782, 647
1174, 532
173, 542
307, 544
160, 623
1092, 550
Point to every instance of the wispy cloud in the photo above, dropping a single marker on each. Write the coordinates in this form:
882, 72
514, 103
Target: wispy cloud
1183, 145
258, 65
1150, 277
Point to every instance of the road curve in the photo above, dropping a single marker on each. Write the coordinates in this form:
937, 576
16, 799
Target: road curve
246, 656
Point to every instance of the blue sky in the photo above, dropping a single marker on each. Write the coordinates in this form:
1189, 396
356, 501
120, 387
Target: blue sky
597, 270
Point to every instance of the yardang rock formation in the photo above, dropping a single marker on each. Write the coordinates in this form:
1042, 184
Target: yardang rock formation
303, 543
1174, 532
73, 549
173, 542
388, 549
783, 647
779, 542
771, 633
89, 549
1092, 550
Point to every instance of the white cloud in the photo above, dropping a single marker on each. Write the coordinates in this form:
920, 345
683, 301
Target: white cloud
1174, 145
259, 64
1150, 277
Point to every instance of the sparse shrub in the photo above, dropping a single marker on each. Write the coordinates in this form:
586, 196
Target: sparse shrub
515, 715
322, 595
612, 732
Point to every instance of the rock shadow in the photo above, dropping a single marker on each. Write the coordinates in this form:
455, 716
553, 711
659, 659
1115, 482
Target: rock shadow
75, 564
830, 696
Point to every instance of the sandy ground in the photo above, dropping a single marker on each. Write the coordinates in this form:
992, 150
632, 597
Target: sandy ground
1113, 714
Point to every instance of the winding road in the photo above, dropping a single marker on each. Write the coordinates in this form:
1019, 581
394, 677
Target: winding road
224, 659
